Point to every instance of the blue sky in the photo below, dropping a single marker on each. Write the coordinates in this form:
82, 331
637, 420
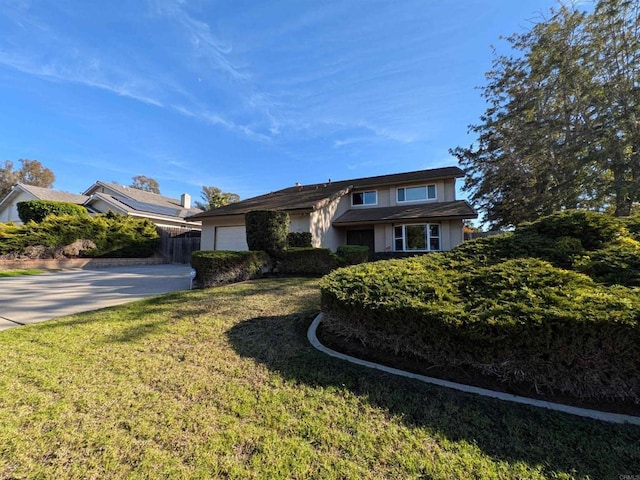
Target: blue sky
249, 96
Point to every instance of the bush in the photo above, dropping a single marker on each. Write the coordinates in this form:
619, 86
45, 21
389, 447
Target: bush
267, 231
113, 235
306, 261
517, 306
220, 267
38, 210
352, 254
299, 239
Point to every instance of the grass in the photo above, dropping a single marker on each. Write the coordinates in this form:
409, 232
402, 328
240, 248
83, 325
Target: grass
17, 273
221, 383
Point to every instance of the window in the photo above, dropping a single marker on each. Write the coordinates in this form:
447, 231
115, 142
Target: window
417, 238
364, 198
416, 194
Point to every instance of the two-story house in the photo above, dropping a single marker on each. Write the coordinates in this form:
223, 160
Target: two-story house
403, 212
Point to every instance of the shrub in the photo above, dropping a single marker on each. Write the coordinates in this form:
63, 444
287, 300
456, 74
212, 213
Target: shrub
306, 261
352, 254
113, 235
520, 320
299, 239
616, 264
38, 210
220, 267
267, 231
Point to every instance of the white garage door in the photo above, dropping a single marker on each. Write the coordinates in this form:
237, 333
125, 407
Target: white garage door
231, 238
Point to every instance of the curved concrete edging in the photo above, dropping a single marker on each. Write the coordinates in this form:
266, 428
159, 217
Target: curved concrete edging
582, 412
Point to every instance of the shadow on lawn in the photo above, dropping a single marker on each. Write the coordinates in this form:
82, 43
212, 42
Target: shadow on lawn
510, 432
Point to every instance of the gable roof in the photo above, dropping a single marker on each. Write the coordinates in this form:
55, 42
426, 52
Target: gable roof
311, 197
42, 193
134, 201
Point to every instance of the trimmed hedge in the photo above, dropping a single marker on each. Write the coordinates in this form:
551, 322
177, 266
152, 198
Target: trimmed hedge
299, 239
114, 235
38, 210
503, 306
267, 231
306, 261
352, 254
220, 267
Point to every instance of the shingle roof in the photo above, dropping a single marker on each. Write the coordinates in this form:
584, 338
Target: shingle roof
308, 197
440, 210
53, 195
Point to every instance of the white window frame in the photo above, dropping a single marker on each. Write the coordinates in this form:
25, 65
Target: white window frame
364, 204
428, 236
426, 193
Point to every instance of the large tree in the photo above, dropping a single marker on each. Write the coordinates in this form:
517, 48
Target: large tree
31, 172
213, 197
146, 184
560, 130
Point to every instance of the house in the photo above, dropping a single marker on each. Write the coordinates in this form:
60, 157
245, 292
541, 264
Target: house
164, 211
103, 197
403, 212
25, 193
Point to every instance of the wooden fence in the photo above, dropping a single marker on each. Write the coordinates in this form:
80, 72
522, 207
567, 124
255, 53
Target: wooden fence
176, 245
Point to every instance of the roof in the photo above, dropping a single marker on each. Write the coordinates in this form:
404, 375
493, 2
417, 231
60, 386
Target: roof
311, 197
440, 210
135, 201
52, 195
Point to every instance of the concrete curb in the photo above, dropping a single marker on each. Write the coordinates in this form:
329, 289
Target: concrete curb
582, 412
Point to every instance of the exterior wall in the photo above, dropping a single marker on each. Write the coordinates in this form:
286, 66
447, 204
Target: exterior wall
300, 222
445, 192
9, 211
322, 232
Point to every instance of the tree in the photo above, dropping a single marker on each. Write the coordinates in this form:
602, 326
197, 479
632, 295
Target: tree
146, 184
558, 131
213, 197
31, 172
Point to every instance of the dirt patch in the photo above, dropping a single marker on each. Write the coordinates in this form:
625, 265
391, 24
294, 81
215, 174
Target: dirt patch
465, 375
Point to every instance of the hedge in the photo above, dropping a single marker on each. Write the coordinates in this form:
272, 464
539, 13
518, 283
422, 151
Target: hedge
113, 235
352, 254
38, 210
267, 231
220, 267
503, 306
299, 239
306, 261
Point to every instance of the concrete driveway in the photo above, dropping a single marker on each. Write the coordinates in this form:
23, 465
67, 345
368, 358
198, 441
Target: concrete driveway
35, 298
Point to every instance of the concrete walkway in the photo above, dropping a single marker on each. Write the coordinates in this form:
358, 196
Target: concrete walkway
36, 298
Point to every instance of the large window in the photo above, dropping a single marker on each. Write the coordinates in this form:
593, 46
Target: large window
417, 238
364, 198
416, 194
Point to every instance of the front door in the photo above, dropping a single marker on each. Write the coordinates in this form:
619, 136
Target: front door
362, 237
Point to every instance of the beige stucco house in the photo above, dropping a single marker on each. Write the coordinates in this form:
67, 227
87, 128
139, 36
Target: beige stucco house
104, 197
403, 212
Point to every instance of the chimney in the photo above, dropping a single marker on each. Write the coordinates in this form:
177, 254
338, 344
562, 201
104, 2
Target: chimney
185, 200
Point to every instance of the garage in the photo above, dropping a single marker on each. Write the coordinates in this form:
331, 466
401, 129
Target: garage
231, 238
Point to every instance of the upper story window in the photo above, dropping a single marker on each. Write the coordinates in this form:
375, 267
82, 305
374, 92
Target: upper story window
416, 194
364, 198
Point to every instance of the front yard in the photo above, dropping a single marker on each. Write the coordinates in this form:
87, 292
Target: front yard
222, 383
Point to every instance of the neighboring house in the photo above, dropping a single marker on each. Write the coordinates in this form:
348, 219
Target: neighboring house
103, 197
164, 211
404, 212
25, 193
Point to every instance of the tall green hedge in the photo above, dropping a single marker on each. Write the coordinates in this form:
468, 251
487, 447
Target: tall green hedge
267, 231
38, 210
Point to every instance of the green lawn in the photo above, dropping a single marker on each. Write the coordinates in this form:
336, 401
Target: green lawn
17, 273
221, 383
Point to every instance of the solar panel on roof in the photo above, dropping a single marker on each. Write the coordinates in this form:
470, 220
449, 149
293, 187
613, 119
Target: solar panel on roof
149, 207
